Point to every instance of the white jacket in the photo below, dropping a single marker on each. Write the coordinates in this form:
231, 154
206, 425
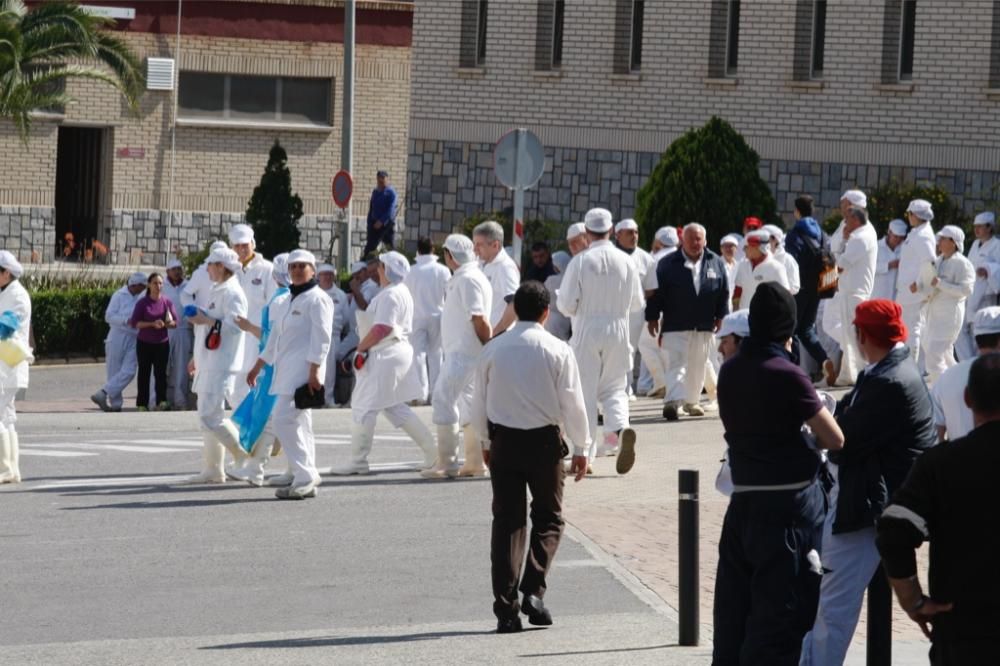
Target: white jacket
15, 298
469, 294
427, 282
225, 302
985, 290
946, 301
749, 277
196, 289
300, 335
599, 283
885, 277
258, 287
917, 251
119, 312
858, 263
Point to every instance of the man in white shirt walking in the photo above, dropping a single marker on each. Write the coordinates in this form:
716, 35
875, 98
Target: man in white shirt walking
916, 259
857, 277
427, 282
627, 238
527, 396
600, 291
887, 260
499, 269
756, 268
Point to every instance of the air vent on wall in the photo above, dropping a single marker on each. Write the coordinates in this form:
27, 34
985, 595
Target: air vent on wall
159, 74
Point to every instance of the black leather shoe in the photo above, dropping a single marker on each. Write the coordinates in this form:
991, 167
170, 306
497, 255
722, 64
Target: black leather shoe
670, 412
536, 611
510, 625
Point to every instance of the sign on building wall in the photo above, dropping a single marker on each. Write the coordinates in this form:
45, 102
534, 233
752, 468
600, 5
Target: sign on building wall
129, 152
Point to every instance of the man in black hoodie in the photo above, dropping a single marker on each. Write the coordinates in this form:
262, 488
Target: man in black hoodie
887, 422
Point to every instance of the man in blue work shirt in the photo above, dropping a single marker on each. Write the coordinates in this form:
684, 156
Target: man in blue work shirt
381, 215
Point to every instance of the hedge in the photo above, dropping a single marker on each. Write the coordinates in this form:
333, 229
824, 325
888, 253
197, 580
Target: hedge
70, 321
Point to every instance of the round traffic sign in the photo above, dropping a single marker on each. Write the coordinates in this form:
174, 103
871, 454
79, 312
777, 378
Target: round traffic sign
343, 188
519, 159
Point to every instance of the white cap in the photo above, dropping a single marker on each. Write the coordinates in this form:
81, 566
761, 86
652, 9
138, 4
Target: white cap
301, 256
575, 230
986, 218
954, 233
730, 239
856, 197
899, 227
761, 239
626, 225
598, 220
174, 263
987, 321
735, 323
10, 263
396, 266
218, 245
241, 233
461, 248
134, 280
326, 268
561, 260
279, 269
921, 209
774, 231
667, 236
227, 258
358, 266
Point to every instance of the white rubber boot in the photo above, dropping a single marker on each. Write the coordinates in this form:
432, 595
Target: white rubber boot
474, 465
15, 454
419, 433
447, 454
229, 437
252, 471
214, 456
7, 471
361, 445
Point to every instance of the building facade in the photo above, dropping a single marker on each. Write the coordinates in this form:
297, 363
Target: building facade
250, 72
830, 94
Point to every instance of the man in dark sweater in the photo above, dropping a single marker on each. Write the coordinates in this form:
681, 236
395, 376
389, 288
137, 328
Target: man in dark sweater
950, 500
887, 422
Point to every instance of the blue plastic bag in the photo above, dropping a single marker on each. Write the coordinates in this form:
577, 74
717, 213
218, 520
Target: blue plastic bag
190, 310
8, 324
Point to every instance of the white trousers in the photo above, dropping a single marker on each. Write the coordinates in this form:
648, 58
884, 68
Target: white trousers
8, 416
603, 353
652, 360
686, 357
212, 408
939, 355
852, 362
398, 416
427, 354
293, 428
452, 396
914, 315
851, 560
330, 379
122, 364
178, 379
965, 346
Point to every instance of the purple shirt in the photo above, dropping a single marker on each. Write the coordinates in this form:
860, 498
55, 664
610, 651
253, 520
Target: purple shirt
149, 310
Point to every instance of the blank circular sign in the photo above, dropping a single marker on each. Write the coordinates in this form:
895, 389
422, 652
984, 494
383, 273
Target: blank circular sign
519, 159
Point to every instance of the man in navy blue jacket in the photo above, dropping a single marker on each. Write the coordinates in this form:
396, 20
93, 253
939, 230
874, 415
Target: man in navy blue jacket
381, 215
690, 301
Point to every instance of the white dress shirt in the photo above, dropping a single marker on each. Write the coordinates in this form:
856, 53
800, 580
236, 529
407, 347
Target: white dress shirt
300, 335
749, 277
527, 378
917, 251
504, 278
427, 281
469, 294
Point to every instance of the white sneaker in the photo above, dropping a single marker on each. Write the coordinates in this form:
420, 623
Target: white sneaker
693, 409
350, 469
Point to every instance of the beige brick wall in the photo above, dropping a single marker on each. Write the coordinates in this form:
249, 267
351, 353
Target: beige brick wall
947, 120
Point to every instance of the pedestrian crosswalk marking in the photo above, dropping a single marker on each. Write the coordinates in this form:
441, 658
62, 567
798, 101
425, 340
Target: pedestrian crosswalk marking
53, 453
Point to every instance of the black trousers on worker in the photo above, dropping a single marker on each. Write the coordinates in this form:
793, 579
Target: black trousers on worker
523, 460
153, 358
964, 651
766, 589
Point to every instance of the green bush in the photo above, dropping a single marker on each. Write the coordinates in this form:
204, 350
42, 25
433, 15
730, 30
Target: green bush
70, 321
890, 201
274, 211
709, 175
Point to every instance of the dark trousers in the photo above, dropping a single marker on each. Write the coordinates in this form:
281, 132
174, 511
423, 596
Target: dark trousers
806, 306
964, 652
766, 592
153, 357
523, 460
385, 235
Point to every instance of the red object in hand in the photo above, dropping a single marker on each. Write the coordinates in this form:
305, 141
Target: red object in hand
359, 360
214, 338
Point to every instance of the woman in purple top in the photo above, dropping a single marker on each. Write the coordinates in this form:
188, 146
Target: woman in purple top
152, 316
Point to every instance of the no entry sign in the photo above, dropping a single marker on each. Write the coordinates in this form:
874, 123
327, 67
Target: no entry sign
343, 188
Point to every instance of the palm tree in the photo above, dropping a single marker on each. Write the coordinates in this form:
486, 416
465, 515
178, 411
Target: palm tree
41, 49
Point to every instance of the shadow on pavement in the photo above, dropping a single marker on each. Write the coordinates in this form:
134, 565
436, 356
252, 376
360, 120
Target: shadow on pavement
347, 640
610, 651
179, 504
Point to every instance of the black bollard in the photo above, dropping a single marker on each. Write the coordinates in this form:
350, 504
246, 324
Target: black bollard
879, 646
687, 543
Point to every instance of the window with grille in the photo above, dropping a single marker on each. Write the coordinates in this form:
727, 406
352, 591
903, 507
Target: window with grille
629, 17
549, 34
724, 38
275, 99
474, 29
810, 39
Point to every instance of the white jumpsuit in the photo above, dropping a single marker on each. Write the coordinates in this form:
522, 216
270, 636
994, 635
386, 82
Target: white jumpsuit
885, 277
600, 291
857, 278
946, 312
427, 281
645, 268
258, 287
918, 250
985, 291
181, 342
119, 346
15, 299
216, 368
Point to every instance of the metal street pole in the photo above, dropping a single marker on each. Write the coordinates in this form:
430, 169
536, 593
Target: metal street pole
347, 136
518, 198
173, 129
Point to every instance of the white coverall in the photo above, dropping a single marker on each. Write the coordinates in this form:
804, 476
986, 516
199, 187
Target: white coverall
649, 345
14, 298
119, 346
340, 313
181, 342
918, 250
600, 291
857, 278
301, 331
885, 277
504, 278
985, 292
427, 281
557, 324
946, 312
258, 287
645, 269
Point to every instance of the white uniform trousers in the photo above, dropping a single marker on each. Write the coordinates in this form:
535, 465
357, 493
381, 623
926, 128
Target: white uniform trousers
330, 379
453, 391
398, 415
914, 316
427, 354
850, 561
178, 379
212, 408
293, 428
852, 362
122, 364
686, 358
603, 354
652, 360
939, 355
238, 391
965, 346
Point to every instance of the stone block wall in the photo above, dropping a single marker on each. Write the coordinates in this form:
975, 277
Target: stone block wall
28, 232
